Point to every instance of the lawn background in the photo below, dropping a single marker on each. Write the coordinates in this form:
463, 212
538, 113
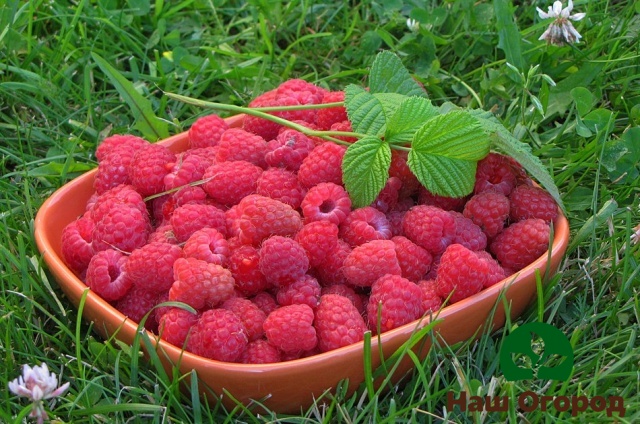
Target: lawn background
57, 104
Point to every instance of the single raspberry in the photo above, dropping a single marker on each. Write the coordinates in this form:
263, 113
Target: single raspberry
305, 92
186, 169
151, 266
395, 219
107, 276
244, 264
238, 144
260, 352
431, 302
266, 302
370, 261
76, 244
388, 197
414, 260
290, 328
305, 290
330, 115
331, 270
163, 234
230, 182
136, 304
319, 239
521, 243
206, 131
328, 202
260, 217
175, 324
429, 227
124, 228
199, 283
338, 323
348, 292
113, 170
231, 216
282, 185
489, 210
468, 233
148, 167
495, 273
189, 218
250, 314
219, 335
282, 260
495, 173
288, 149
363, 225
260, 126
401, 170
394, 301
186, 195
117, 142
343, 126
532, 202
121, 194
461, 273
209, 245
322, 165
425, 197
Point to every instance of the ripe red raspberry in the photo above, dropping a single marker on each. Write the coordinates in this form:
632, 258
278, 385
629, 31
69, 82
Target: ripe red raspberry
164, 206
425, 197
119, 142
260, 352
209, 245
532, 202
319, 239
414, 260
219, 335
288, 149
348, 292
429, 227
121, 194
207, 154
521, 243
230, 182
199, 283
495, 173
400, 169
395, 219
330, 115
282, 185
343, 126
187, 169
262, 127
136, 304
431, 302
260, 217
163, 234
244, 264
290, 328
76, 244
468, 233
370, 261
282, 260
395, 301
305, 92
151, 266
489, 210
189, 218
331, 270
113, 170
124, 228
461, 273
238, 144
206, 131
305, 290
338, 323
175, 324
322, 165
107, 276
266, 302
495, 272
326, 201
250, 314
388, 197
148, 167
363, 225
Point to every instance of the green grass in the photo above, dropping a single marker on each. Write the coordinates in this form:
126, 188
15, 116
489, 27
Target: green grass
57, 103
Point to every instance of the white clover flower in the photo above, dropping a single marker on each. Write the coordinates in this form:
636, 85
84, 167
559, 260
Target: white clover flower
561, 30
413, 25
37, 384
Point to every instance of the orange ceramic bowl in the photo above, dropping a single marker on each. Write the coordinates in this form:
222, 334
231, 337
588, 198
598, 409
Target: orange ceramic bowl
292, 386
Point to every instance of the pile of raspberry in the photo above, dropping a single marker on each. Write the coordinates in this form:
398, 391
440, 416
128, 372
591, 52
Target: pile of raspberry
253, 229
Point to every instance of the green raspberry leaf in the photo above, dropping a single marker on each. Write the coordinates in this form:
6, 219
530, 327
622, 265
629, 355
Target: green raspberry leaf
388, 75
412, 113
365, 169
445, 152
364, 111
